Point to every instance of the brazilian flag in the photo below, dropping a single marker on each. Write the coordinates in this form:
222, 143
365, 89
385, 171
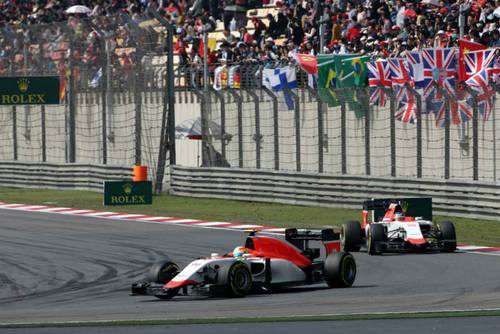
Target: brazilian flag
329, 66
353, 74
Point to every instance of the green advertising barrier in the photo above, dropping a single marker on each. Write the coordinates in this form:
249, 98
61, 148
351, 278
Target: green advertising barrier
29, 90
128, 192
413, 207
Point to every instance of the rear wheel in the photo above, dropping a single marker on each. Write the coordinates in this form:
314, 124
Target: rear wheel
238, 279
448, 235
340, 270
376, 239
350, 236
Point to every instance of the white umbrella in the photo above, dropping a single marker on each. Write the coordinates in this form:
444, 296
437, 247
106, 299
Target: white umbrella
497, 12
78, 9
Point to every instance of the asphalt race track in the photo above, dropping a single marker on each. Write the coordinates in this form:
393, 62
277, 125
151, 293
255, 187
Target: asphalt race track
68, 268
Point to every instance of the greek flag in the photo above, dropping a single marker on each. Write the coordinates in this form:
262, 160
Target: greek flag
281, 80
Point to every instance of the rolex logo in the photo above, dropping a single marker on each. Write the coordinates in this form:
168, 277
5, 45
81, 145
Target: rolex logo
23, 85
127, 188
405, 205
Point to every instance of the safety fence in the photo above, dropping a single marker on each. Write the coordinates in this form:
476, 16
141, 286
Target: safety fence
259, 129
456, 198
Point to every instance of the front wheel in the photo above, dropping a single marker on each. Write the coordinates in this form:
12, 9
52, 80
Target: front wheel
340, 270
163, 271
448, 235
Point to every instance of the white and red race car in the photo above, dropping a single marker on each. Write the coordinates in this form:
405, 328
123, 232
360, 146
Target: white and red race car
265, 263
394, 231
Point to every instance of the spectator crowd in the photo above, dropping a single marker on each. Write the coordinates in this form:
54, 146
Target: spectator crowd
380, 28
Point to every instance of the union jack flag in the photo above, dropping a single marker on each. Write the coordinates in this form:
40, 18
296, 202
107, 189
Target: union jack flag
379, 77
406, 104
416, 66
460, 109
406, 110
400, 71
480, 83
475, 61
440, 68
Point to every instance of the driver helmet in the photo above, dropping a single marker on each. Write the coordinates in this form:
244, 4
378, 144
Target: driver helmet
398, 216
240, 251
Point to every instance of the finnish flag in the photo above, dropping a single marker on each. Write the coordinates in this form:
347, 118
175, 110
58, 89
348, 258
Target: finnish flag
278, 79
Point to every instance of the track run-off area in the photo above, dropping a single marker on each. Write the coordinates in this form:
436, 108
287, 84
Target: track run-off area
58, 268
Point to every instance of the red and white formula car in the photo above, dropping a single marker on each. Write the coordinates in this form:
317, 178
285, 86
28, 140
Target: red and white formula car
394, 231
264, 263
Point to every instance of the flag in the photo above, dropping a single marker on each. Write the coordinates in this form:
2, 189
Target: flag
94, 83
464, 47
400, 72
328, 68
406, 106
307, 62
353, 72
234, 78
476, 61
379, 77
416, 66
218, 74
439, 68
406, 110
479, 82
281, 80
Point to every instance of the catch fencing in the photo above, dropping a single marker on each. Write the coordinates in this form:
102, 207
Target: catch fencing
115, 103
256, 128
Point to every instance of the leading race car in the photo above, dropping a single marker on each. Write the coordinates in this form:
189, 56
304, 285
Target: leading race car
391, 230
264, 263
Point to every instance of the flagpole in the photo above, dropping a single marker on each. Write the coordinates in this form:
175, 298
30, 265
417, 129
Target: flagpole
205, 56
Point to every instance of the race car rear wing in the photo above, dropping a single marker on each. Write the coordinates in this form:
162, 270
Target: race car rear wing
300, 238
415, 207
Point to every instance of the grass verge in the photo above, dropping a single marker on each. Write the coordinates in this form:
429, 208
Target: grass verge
347, 317
469, 231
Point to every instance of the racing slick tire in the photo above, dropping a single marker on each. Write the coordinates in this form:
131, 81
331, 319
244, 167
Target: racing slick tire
163, 271
376, 239
237, 279
350, 236
339, 270
448, 235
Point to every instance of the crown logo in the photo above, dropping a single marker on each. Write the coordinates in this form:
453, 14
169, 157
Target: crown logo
127, 188
23, 84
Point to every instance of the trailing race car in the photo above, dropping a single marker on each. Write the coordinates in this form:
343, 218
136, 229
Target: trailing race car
264, 263
391, 230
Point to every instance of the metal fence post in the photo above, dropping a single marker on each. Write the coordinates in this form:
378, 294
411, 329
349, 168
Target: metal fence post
446, 134
104, 105
71, 144
366, 102
418, 113
296, 102
343, 148
239, 103
222, 134
167, 134
392, 124
258, 136
138, 78
44, 133
276, 128
14, 132
321, 129
475, 133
